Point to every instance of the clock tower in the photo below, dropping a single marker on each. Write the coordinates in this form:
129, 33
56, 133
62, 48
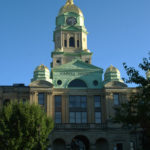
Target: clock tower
70, 36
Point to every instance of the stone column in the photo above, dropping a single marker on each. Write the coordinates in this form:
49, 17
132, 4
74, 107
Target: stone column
67, 108
63, 109
89, 110
48, 103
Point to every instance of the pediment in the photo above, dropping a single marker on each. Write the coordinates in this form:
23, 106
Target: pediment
77, 65
72, 28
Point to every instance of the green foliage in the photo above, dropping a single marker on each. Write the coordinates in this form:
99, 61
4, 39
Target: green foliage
24, 127
136, 112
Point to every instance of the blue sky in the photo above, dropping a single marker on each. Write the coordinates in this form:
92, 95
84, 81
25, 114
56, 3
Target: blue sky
119, 31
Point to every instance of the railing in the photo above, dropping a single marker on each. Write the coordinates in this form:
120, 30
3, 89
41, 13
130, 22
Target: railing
80, 126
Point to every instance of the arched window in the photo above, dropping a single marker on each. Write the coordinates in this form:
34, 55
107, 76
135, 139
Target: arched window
72, 42
77, 83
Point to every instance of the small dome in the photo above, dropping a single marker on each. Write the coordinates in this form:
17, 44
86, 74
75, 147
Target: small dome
112, 74
41, 73
41, 68
112, 69
70, 7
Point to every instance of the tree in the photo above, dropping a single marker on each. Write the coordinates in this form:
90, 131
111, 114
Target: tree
136, 112
24, 127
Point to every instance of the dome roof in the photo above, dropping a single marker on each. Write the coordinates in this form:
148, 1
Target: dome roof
70, 7
41, 68
112, 69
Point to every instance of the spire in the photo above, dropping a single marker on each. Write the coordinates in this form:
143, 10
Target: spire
69, 2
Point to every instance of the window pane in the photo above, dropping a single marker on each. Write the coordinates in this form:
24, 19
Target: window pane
97, 101
72, 117
78, 117
58, 101
58, 117
116, 99
41, 98
97, 117
83, 101
77, 101
84, 117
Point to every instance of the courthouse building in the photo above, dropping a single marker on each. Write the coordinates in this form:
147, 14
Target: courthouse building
74, 92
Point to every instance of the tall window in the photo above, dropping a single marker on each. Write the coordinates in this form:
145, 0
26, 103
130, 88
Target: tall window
116, 99
71, 42
58, 106
41, 98
78, 44
65, 43
97, 105
78, 109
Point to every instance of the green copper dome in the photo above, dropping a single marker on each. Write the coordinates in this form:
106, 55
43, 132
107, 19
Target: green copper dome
41, 73
70, 7
112, 74
112, 69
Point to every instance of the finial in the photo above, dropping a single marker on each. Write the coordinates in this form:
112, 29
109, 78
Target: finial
69, 2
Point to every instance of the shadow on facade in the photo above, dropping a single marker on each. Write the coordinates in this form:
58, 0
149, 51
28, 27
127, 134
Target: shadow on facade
102, 144
80, 143
59, 144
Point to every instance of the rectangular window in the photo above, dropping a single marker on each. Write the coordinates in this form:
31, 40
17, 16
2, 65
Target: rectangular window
77, 101
41, 99
72, 117
78, 44
57, 101
98, 117
78, 117
116, 99
65, 43
84, 117
58, 107
97, 101
57, 117
77, 108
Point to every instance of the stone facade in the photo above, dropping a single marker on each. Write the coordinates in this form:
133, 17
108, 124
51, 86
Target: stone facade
74, 93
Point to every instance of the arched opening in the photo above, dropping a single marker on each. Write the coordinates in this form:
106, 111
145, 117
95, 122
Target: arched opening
6, 102
59, 144
71, 42
102, 144
80, 143
77, 83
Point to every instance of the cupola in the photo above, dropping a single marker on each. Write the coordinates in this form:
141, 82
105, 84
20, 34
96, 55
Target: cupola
112, 74
41, 73
70, 7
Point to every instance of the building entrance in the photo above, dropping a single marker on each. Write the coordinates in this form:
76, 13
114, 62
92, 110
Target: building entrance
80, 143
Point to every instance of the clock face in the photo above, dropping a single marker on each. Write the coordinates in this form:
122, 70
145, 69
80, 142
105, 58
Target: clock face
71, 21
